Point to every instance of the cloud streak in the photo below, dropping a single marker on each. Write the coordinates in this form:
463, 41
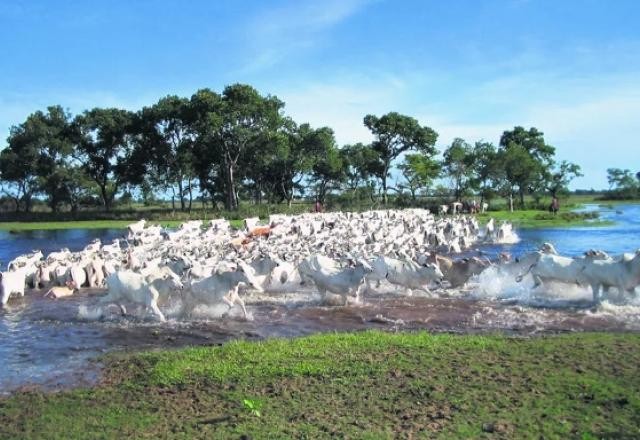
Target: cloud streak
276, 34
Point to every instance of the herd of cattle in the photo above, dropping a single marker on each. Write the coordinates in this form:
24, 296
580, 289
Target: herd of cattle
341, 254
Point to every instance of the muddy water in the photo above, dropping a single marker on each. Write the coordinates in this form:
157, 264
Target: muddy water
50, 344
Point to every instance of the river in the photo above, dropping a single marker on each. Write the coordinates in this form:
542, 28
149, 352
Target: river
50, 344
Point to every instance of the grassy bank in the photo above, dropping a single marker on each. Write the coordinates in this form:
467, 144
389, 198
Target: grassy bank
363, 385
543, 219
89, 224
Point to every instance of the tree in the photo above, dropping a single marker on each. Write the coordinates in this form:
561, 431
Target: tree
517, 168
167, 136
562, 176
296, 152
419, 171
105, 149
457, 163
394, 134
245, 115
206, 106
539, 159
18, 171
328, 169
623, 183
486, 170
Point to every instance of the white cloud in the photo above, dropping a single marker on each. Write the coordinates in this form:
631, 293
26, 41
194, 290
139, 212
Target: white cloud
342, 103
281, 32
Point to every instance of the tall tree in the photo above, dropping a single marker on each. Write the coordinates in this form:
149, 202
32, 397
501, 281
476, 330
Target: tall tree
104, 146
296, 151
245, 116
328, 170
37, 159
419, 172
486, 170
539, 161
394, 134
207, 107
457, 163
361, 162
622, 183
18, 170
562, 176
516, 166
168, 138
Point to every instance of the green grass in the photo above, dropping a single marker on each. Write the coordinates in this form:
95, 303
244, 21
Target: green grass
363, 385
90, 224
543, 219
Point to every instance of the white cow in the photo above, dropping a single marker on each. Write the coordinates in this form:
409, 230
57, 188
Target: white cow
407, 273
568, 270
327, 278
11, 282
134, 287
624, 274
78, 274
137, 227
25, 260
220, 287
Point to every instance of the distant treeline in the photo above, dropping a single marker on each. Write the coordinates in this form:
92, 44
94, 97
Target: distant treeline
239, 145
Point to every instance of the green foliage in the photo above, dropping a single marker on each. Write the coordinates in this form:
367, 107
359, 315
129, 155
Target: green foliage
457, 163
238, 146
394, 134
419, 171
622, 184
252, 406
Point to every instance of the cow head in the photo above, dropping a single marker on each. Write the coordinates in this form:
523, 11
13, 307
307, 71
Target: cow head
433, 269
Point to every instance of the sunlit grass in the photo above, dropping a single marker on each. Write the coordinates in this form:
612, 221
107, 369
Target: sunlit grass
359, 385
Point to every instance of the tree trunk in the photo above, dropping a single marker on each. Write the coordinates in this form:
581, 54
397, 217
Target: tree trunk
231, 204
190, 196
181, 194
521, 191
511, 202
105, 198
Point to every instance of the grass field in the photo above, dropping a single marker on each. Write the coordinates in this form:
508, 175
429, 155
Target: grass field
89, 224
522, 218
543, 219
363, 385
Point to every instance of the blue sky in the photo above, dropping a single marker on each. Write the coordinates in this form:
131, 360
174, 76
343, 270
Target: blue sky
469, 69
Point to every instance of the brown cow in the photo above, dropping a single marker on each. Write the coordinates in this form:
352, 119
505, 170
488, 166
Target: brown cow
458, 272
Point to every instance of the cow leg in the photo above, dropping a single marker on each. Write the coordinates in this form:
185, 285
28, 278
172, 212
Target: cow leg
595, 288
240, 302
227, 299
537, 281
156, 310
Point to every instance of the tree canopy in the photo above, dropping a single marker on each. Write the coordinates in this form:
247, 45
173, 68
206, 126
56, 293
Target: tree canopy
239, 144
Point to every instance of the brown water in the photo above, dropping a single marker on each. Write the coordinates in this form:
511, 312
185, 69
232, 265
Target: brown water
47, 343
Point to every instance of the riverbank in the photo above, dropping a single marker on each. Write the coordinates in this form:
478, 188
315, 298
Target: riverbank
524, 219
359, 385
543, 219
89, 224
